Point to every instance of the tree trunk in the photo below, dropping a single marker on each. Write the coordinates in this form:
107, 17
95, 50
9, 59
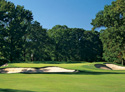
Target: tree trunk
24, 51
123, 61
24, 55
11, 49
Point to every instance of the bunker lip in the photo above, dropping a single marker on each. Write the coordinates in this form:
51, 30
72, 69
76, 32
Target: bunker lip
101, 66
109, 67
50, 69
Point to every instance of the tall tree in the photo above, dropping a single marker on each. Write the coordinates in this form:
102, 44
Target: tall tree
14, 18
91, 46
112, 15
58, 34
113, 38
75, 44
37, 41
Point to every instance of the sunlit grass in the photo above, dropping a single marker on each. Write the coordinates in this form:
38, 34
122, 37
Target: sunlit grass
90, 79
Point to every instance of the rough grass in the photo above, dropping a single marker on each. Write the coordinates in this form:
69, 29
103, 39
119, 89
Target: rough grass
89, 79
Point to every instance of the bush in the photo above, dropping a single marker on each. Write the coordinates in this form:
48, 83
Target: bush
3, 61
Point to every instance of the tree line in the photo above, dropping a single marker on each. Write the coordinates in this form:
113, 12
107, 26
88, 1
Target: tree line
22, 39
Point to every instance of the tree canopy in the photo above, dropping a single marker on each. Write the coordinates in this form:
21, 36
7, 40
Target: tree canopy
113, 38
75, 44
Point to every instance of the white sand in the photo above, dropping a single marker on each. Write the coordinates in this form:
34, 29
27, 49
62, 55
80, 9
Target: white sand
115, 67
34, 70
109, 67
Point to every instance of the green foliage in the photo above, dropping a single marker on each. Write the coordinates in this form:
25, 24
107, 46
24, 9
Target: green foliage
113, 44
74, 44
3, 61
14, 23
113, 38
112, 15
37, 43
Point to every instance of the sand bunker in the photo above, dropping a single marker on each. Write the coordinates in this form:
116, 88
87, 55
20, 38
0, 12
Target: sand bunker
115, 67
35, 70
109, 67
101, 66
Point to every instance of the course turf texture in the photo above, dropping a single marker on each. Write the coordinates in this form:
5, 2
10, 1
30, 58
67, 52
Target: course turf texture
89, 79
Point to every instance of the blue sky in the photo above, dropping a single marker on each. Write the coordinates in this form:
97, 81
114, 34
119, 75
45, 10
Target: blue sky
73, 13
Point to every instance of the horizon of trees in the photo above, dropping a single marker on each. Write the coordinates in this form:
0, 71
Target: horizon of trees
22, 39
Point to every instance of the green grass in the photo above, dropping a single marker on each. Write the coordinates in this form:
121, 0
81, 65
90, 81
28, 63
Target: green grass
90, 79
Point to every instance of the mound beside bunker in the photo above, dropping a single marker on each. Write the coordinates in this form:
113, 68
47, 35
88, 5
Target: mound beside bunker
109, 67
35, 70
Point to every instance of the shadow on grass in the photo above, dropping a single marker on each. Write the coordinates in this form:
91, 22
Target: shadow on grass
57, 62
101, 65
98, 73
83, 72
13, 90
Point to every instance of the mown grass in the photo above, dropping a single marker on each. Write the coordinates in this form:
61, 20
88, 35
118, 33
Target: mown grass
89, 79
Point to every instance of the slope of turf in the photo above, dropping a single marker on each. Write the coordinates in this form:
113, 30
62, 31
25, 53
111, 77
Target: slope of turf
90, 79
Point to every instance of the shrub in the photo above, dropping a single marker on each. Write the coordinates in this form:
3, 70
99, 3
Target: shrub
3, 61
